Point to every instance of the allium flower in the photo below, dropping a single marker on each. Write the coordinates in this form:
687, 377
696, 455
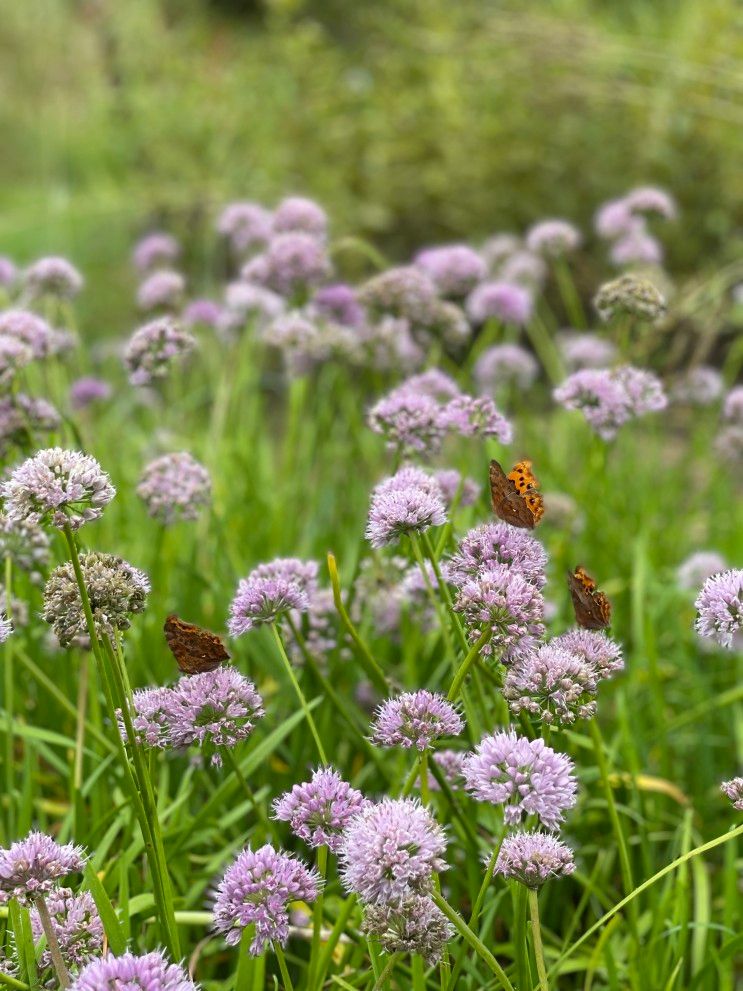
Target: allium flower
30, 868
498, 248
651, 199
296, 213
525, 776
339, 302
433, 383
15, 354
729, 444
246, 225
391, 850
76, 924
156, 250
202, 312
585, 351
263, 597
401, 292
87, 390
454, 268
26, 544
500, 599
23, 418
504, 301
162, 290
636, 247
453, 486
613, 219
175, 487
698, 567
129, 972
553, 238
533, 858
719, 607
8, 272
733, 789
52, 276
732, 409
416, 925
319, 810
525, 269
292, 569
66, 487
116, 591
415, 719
410, 421
449, 322
397, 510
293, 262
602, 654
553, 685
256, 890
631, 295
152, 349
504, 365
644, 390
479, 417
700, 386
30, 329
609, 398
451, 763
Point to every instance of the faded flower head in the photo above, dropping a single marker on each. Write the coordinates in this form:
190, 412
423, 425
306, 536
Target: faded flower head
163, 290
502, 601
30, 868
26, 544
636, 247
23, 418
411, 421
246, 302
581, 350
630, 295
415, 925
609, 398
175, 487
319, 810
152, 349
15, 354
66, 487
292, 263
553, 685
553, 238
719, 607
6, 629
391, 850
116, 591
454, 268
400, 507
499, 543
87, 390
203, 313
479, 417
246, 226
451, 764
507, 302
404, 292
453, 486
700, 386
533, 858
52, 276
525, 776
733, 790
339, 302
525, 269
297, 213
732, 408
29, 329
504, 365
257, 890
156, 250
602, 654
415, 719
150, 972
8, 272
698, 567
77, 925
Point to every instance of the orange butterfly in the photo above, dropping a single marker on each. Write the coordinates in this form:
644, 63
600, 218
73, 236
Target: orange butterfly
515, 497
592, 607
196, 650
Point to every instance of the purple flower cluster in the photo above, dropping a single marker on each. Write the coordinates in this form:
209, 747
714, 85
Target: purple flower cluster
602, 654
270, 591
470, 417
553, 238
609, 398
152, 349
698, 567
292, 263
246, 226
453, 486
733, 790
52, 276
31, 867
732, 409
525, 776
8, 272
585, 351
408, 502
202, 312
129, 972
700, 386
155, 250
26, 544
551, 684
297, 213
87, 390
163, 290
31, 330
415, 719
391, 850
23, 418
505, 365
533, 858
319, 810
499, 543
455, 269
719, 607
256, 890
451, 763
622, 222
501, 601
76, 924
340, 303
15, 354
406, 292
175, 487
507, 302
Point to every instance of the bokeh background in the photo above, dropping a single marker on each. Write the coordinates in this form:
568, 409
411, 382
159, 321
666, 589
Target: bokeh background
412, 121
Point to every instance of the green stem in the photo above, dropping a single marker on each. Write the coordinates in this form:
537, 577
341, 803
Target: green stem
545, 348
317, 914
288, 986
536, 935
9, 682
469, 936
63, 975
373, 670
475, 914
11, 982
469, 660
269, 824
386, 972
299, 693
335, 935
438, 605
445, 592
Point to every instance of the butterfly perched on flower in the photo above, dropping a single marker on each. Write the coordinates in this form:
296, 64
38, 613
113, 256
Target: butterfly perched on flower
195, 649
514, 496
592, 607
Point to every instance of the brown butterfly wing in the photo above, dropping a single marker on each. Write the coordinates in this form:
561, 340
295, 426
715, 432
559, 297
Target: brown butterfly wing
195, 649
592, 607
519, 508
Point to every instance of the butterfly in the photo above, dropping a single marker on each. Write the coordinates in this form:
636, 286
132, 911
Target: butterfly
515, 497
592, 608
196, 650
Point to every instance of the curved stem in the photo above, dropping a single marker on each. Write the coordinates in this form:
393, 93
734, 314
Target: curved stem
388, 968
288, 986
299, 693
60, 968
371, 667
536, 935
474, 941
469, 660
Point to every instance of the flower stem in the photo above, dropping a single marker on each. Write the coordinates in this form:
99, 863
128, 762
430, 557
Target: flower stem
469, 660
437, 604
536, 935
469, 936
444, 590
9, 671
317, 913
269, 824
300, 695
475, 914
372, 668
63, 975
386, 972
288, 986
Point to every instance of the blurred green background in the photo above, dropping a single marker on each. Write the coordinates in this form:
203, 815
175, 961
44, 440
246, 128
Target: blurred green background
412, 121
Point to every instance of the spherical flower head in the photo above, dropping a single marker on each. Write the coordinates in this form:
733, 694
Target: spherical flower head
477, 417
293, 262
732, 408
297, 213
8, 272
498, 248
602, 654
416, 925
525, 776
505, 365
339, 302
729, 444
319, 810
504, 301
553, 685
609, 398
454, 487
163, 290
651, 199
411, 421
302, 573
525, 269
153, 348
397, 510
614, 219
644, 390
150, 972
502, 601
29, 329
415, 719
585, 351
246, 226
449, 322
533, 858
700, 386
719, 607
77, 925
26, 544
698, 567
454, 268
65, 487
256, 890
434, 383
52, 276
175, 487
15, 354
553, 238
630, 295
202, 313
636, 247
31, 868
391, 850
404, 292
321, 628
451, 764
88, 390
116, 591
156, 250
260, 600
23, 418
733, 790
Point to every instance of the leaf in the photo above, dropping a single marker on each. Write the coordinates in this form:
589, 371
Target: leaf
109, 918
